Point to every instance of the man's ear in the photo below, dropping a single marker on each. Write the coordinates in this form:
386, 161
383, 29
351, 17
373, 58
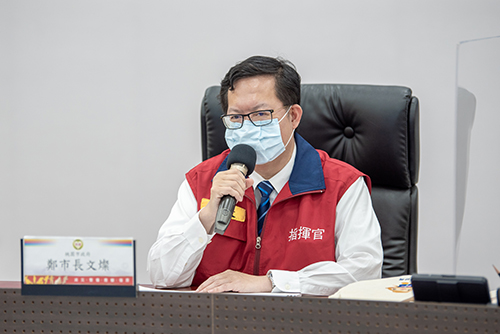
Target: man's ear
295, 115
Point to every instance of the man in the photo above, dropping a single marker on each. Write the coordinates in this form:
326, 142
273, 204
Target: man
319, 233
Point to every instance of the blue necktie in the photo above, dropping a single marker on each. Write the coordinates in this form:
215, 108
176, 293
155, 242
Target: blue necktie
265, 189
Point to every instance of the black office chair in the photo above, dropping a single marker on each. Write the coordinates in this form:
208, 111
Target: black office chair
373, 128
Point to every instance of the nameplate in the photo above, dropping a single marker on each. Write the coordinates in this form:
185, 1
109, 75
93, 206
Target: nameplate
78, 266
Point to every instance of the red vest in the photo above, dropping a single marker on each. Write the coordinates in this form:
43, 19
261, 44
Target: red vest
299, 228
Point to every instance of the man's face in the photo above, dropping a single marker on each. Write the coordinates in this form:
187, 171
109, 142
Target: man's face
258, 93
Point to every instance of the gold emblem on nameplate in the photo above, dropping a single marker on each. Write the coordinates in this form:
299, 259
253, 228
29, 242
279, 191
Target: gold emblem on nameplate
77, 244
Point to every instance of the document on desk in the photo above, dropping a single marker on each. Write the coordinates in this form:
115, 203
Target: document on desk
395, 289
150, 288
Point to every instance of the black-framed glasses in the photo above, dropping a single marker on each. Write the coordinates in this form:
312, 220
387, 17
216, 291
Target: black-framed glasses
258, 118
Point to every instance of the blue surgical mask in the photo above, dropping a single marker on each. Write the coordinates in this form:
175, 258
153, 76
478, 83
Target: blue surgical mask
265, 140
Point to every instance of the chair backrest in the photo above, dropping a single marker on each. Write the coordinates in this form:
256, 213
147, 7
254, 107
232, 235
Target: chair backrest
373, 128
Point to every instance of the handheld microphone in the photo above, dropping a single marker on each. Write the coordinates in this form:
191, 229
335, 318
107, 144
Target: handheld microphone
242, 157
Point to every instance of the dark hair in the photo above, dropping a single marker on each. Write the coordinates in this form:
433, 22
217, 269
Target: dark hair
287, 80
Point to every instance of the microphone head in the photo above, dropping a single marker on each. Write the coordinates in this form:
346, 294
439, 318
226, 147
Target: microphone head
242, 154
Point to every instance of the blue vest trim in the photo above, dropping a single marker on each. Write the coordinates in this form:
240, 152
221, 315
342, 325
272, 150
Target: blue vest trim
307, 174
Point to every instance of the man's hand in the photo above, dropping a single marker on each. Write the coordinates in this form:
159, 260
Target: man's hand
230, 182
231, 280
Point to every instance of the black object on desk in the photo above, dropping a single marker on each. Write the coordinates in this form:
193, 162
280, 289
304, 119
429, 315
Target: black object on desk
450, 288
